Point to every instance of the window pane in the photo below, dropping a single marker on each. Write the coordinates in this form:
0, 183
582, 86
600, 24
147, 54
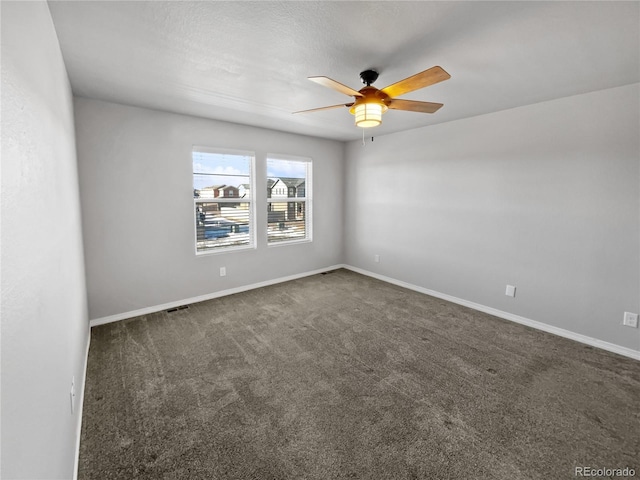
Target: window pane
286, 168
221, 175
288, 179
222, 200
286, 221
221, 225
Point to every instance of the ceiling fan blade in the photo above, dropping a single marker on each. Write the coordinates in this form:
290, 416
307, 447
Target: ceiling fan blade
419, 80
328, 82
414, 106
325, 108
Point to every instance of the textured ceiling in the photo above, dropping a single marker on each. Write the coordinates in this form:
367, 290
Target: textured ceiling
247, 62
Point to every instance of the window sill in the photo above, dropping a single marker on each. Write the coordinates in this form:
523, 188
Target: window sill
242, 248
288, 242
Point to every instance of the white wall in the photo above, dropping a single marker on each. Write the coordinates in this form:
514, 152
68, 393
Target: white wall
544, 197
45, 326
137, 207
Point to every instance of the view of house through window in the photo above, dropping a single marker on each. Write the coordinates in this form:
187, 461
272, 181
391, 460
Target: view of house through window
222, 199
288, 199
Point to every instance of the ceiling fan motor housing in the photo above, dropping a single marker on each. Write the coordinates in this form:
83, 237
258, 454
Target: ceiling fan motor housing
368, 77
371, 95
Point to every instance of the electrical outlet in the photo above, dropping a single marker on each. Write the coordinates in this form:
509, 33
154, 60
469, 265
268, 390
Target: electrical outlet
511, 291
223, 271
630, 319
376, 258
72, 395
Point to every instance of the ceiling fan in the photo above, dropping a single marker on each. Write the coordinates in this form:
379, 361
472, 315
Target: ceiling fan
370, 103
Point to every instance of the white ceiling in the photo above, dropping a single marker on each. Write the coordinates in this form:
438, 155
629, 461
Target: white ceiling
247, 62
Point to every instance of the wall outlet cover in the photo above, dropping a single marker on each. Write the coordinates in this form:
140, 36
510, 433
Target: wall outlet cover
511, 291
630, 319
72, 395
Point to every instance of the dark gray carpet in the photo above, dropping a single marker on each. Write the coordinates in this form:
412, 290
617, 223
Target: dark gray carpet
341, 376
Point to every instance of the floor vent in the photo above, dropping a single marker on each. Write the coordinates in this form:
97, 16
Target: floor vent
181, 307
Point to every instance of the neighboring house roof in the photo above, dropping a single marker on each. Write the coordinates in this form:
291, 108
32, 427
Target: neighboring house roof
244, 189
219, 187
289, 182
292, 182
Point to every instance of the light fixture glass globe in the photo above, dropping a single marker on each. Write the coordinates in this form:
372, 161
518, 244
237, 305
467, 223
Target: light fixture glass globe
368, 115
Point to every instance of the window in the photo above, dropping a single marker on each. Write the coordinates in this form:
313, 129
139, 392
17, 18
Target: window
223, 220
288, 199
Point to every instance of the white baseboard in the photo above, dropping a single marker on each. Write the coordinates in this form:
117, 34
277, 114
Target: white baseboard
594, 342
209, 296
80, 407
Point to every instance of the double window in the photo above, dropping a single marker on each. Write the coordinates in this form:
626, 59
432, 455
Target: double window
224, 199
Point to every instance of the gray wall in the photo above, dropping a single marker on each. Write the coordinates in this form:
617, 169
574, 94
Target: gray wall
45, 326
137, 207
544, 197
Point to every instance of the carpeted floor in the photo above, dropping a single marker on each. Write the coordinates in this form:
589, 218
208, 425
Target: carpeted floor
341, 376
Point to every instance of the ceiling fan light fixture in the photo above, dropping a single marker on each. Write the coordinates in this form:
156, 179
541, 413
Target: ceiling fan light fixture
369, 115
370, 102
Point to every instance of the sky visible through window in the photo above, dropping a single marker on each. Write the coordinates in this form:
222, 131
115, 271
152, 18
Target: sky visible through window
285, 168
218, 169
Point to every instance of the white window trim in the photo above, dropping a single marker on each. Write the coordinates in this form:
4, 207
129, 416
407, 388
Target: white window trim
252, 202
223, 151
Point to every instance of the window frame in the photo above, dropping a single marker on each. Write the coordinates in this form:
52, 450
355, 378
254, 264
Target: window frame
307, 199
251, 201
